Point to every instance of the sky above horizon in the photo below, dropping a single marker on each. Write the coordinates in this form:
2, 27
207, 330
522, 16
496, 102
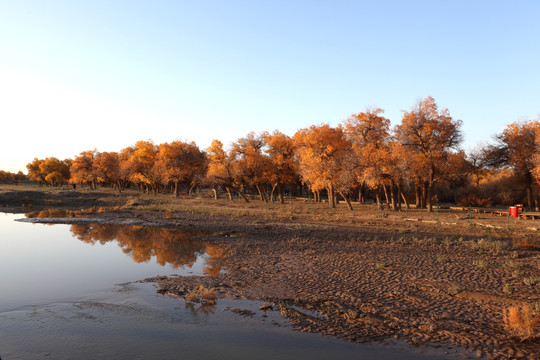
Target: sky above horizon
79, 75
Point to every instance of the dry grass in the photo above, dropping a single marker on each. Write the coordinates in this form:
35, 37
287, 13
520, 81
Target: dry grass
454, 289
508, 289
532, 280
481, 264
494, 247
521, 322
208, 295
203, 295
526, 243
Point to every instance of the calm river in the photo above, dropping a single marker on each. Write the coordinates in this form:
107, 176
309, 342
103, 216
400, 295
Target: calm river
70, 292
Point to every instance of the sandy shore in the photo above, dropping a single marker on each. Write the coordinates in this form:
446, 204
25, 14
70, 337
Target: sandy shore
362, 283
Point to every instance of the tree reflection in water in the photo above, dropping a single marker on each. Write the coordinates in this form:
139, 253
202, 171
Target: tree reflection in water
175, 247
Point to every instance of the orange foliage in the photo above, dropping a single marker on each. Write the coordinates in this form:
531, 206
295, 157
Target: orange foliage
283, 169
180, 162
251, 166
429, 134
50, 170
324, 156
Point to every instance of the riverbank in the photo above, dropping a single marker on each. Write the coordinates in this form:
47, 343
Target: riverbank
359, 279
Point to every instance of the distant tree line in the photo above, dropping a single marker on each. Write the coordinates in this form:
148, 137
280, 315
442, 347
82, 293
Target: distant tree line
9, 177
419, 161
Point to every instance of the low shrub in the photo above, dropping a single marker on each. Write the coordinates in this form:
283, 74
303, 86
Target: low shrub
521, 322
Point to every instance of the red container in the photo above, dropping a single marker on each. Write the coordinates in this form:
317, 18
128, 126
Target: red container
514, 210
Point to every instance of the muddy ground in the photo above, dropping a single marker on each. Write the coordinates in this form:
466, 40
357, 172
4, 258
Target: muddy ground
366, 280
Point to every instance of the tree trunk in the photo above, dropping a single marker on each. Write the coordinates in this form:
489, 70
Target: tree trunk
229, 192
176, 189
378, 199
346, 198
404, 199
528, 183
261, 193
386, 195
274, 187
398, 193
393, 195
331, 201
418, 194
214, 191
242, 196
424, 194
428, 197
280, 192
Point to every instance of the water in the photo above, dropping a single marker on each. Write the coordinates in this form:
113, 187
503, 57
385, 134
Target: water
67, 293
42, 263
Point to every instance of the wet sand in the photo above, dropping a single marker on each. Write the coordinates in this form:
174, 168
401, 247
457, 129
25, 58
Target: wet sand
362, 282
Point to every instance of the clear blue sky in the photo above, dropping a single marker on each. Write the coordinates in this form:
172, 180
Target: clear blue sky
78, 75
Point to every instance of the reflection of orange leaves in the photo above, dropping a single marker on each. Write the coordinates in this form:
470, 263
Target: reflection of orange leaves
169, 246
215, 252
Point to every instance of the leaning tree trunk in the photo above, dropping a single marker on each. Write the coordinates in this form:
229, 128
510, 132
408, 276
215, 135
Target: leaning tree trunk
229, 192
400, 193
214, 191
243, 196
347, 200
386, 195
274, 187
261, 193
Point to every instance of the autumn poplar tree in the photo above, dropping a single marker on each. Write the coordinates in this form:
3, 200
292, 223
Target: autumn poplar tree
34, 171
324, 160
220, 168
369, 134
82, 169
50, 170
430, 135
142, 160
107, 167
515, 148
283, 169
181, 162
251, 165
